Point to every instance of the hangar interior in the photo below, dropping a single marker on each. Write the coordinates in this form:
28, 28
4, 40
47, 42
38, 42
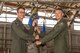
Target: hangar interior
45, 10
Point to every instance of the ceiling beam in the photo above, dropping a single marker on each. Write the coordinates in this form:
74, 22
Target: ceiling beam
26, 6
46, 0
72, 17
1, 7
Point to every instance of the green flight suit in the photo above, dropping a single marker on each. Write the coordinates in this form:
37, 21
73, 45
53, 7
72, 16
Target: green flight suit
20, 35
59, 33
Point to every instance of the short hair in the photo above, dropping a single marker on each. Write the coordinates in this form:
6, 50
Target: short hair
20, 8
59, 9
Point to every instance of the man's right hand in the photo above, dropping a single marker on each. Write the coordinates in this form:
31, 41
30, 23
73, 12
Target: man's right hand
37, 37
38, 42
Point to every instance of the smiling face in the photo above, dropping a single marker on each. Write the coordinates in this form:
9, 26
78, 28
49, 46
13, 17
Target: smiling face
59, 14
21, 13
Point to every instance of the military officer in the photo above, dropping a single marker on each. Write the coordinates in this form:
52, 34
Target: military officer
59, 33
20, 35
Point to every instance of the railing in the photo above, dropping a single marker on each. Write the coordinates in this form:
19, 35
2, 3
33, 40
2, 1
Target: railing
6, 49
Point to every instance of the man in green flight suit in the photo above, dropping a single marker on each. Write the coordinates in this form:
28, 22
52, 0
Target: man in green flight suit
20, 35
59, 33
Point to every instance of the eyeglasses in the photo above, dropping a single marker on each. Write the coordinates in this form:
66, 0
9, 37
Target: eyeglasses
21, 12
